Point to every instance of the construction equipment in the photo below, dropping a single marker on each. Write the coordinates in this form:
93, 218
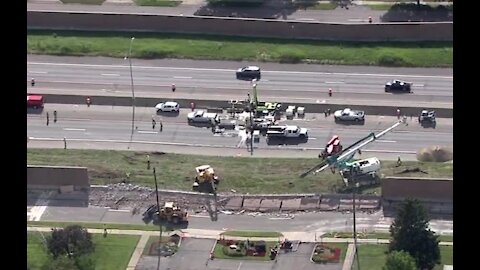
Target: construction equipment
170, 212
206, 180
264, 108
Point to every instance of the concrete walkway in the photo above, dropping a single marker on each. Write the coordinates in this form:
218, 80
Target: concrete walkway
137, 253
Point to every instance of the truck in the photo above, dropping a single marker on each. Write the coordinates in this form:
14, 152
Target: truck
365, 170
35, 101
202, 116
286, 132
348, 114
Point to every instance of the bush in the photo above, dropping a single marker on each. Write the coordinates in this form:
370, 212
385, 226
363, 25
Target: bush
391, 61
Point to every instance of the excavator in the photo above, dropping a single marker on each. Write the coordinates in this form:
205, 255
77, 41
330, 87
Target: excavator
263, 108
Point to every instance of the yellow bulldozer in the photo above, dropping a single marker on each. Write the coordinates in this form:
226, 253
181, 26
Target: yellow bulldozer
170, 212
206, 180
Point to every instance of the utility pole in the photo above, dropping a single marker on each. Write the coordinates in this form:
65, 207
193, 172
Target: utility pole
353, 172
160, 224
131, 83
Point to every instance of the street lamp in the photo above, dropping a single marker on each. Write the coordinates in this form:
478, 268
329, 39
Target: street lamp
353, 174
132, 87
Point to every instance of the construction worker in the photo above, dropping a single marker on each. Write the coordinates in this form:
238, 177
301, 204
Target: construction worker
173, 87
154, 123
399, 162
88, 100
33, 82
104, 230
54, 116
398, 113
370, 19
161, 126
64, 143
192, 106
48, 118
329, 112
329, 92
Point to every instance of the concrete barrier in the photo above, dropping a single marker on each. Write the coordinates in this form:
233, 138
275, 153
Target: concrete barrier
110, 21
203, 104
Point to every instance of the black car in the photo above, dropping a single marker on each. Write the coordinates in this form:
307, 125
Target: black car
250, 73
397, 85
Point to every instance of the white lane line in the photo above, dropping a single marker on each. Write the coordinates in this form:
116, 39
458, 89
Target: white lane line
310, 138
147, 132
182, 77
74, 129
109, 74
37, 72
385, 141
229, 70
280, 218
333, 82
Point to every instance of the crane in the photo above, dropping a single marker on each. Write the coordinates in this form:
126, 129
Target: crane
341, 159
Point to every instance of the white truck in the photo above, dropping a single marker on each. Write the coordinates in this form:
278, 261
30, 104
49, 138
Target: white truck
366, 171
287, 131
201, 116
348, 114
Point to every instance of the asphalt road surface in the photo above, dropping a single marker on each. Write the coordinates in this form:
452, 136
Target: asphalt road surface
216, 80
109, 126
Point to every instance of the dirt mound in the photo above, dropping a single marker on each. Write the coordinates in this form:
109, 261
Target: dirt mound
435, 153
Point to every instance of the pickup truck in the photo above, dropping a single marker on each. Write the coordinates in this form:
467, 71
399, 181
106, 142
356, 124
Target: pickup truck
287, 132
349, 115
203, 117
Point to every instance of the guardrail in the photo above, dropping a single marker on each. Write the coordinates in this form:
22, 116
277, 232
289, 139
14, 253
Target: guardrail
205, 104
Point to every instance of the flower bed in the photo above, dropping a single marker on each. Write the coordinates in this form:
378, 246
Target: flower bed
326, 254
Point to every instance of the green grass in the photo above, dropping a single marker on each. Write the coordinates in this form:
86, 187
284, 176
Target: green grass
324, 6
218, 252
148, 45
159, 3
92, 225
376, 235
373, 257
83, 2
380, 6
111, 253
265, 175
252, 234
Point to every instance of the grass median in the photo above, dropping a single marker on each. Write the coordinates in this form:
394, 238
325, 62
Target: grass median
376, 235
111, 253
157, 46
244, 174
93, 225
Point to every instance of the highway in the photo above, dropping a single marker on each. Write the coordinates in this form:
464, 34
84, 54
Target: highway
216, 80
108, 127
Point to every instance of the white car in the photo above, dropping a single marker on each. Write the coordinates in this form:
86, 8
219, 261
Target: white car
169, 106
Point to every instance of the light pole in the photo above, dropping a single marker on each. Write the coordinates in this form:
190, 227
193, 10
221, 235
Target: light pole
133, 91
353, 174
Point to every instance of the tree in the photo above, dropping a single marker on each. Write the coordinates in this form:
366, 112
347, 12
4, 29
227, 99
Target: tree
399, 260
410, 232
73, 241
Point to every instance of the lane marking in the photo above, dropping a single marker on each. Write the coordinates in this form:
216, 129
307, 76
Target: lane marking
230, 70
109, 74
147, 132
385, 141
74, 129
38, 72
182, 77
333, 82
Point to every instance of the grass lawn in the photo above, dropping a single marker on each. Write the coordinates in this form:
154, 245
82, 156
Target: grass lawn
380, 6
159, 3
377, 235
372, 257
111, 253
83, 2
252, 234
324, 6
265, 175
92, 225
219, 254
149, 45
